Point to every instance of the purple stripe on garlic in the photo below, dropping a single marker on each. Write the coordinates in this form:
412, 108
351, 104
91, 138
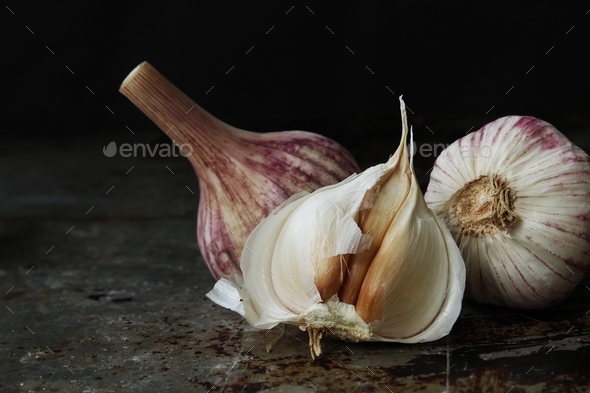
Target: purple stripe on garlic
520, 214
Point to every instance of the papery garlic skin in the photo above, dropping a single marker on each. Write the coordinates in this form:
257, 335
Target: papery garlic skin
519, 211
242, 175
414, 279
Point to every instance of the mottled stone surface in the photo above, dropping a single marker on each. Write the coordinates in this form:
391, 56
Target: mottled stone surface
103, 290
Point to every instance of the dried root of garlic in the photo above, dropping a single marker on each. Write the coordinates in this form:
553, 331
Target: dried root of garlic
362, 260
520, 213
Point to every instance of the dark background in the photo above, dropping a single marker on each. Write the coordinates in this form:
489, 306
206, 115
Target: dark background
452, 61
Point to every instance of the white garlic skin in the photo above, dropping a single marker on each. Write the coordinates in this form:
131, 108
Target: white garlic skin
537, 257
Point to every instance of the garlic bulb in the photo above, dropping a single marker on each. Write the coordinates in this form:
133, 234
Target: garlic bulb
516, 197
302, 264
242, 175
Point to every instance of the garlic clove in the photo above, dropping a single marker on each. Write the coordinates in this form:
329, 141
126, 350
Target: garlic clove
519, 211
411, 285
242, 175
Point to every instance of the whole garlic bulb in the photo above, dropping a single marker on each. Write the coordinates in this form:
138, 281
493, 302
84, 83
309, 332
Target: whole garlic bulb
516, 197
242, 175
298, 268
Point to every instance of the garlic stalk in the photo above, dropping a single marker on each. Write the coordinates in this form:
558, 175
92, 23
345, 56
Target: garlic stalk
364, 259
516, 197
242, 175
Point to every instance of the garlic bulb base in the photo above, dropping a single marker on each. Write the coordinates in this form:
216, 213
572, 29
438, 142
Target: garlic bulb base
336, 319
482, 206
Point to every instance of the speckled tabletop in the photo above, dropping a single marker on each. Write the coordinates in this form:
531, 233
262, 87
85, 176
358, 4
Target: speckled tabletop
103, 290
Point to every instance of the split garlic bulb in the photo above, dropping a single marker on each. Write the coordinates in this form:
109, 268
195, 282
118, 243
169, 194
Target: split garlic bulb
405, 285
516, 197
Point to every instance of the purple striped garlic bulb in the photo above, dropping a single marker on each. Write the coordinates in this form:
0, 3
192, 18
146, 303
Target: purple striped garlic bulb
243, 175
516, 198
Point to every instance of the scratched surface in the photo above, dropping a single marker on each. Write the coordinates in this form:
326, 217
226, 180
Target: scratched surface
103, 290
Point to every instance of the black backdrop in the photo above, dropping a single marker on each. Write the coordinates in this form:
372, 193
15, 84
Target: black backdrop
309, 65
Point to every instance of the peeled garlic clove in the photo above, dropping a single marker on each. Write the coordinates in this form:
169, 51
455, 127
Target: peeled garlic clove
412, 287
242, 175
516, 197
